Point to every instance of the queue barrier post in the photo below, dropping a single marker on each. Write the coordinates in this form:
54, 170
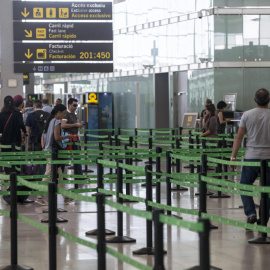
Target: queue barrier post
159, 240
128, 185
52, 189
158, 170
101, 232
14, 228
168, 180
136, 144
219, 194
180, 130
148, 250
100, 171
75, 147
85, 148
178, 169
204, 247
263, 239
120, 238
55, 180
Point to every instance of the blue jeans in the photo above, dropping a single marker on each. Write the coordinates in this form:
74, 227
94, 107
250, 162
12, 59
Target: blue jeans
248, 177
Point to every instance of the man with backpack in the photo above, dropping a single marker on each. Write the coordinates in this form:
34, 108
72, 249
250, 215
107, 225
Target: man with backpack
35, 123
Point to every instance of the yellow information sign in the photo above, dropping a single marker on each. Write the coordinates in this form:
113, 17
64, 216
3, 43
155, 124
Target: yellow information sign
41, 54
92, 98
41, 33
38, 12
63, 13
51, 13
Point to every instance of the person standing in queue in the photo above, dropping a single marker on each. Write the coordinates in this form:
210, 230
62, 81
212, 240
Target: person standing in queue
255, 124
52, 131
211, 124
204, 117
71, 125
221, 121
11, 128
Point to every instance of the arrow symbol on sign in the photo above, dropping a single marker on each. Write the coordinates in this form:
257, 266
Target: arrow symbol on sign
28, 55
28, 34
25, 13
34, 68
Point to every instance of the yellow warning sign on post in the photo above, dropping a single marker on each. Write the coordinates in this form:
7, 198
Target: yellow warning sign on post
41, 54
38, 13
51, 13
63, 13
41, 33
92, 98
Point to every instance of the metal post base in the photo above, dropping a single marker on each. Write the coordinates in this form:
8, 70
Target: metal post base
144, 185
137, 160
260, 240
88, 170
207, 193
198, 268
213, 227
146, 251
256, 205
129, 201
178, 188
147, 162
107, 195
222, 196
16, 267
59, 210
58, 220
120, 239
95, 232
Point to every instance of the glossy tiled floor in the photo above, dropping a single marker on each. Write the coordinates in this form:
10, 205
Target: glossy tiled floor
229, 246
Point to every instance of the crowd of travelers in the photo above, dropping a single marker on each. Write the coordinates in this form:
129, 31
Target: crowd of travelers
44, 127
40, 127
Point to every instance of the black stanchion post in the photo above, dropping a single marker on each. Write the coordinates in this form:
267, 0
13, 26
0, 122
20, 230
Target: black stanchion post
136, 144
74, 146
178, 168
159, 245
100, 171
168, 180
110, 142
148, 250
263, 239
203, 194
158, 170
85, 148
180, 130
52, 189
101, 247
120, 238
55, 180
14, 228
219, 194
119, 131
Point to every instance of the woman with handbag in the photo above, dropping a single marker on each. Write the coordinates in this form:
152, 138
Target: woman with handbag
52, 138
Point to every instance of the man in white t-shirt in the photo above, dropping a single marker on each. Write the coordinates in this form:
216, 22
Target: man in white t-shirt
255, 124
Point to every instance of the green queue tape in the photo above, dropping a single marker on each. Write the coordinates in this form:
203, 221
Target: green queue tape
235, 223
32, 185
236, 163
33, 223
127, 259
74, 196
184, 184
132, 168
108, 192
133, 198
173, 209
4, 213
189, 225
76, 239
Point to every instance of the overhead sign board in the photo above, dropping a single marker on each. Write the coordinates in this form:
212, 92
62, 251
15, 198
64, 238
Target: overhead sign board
69, 31
62, 67
61, 10
63, 51
47, 31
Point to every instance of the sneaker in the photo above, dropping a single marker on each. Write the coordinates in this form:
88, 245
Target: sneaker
68, 201
41, 201
251, 220
6, 199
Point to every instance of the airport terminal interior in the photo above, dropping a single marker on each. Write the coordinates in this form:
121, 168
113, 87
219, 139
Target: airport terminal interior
141, 71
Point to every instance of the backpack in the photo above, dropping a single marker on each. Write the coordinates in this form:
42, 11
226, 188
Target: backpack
40, 122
